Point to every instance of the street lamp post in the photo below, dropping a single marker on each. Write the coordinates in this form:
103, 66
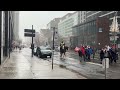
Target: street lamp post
115, 28
53, 44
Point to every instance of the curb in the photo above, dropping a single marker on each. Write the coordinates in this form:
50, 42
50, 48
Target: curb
77, 73
62, 66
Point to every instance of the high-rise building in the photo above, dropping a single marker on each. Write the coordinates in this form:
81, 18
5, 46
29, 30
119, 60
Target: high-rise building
53, 23
81, 16
47, 35
16, 25
7, 30
67, 22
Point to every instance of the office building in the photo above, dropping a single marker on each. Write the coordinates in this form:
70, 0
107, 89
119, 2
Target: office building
7, 34
53, 23
95, 31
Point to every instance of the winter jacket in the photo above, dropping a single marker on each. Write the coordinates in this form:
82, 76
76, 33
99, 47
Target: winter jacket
83, 50
101, 54
90, 51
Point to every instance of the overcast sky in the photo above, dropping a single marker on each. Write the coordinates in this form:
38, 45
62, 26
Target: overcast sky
39, 19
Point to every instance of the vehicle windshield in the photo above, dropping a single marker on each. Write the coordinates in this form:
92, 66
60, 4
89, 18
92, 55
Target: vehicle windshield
45, 48
48, 48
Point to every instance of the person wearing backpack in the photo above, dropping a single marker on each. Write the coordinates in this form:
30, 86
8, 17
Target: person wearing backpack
62, 51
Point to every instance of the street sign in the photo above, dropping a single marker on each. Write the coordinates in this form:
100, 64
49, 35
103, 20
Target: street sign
29, 30
29, 34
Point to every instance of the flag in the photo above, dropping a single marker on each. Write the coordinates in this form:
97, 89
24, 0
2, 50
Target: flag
114, 27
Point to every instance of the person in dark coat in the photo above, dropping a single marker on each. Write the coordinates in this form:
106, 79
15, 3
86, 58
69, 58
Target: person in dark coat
111, 55
86, 52
102, 54
89, 52
93, 53
114, 55
62, 50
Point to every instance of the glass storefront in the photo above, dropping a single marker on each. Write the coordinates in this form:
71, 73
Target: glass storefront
86, 34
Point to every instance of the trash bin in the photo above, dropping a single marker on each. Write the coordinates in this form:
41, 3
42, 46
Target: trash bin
107, 62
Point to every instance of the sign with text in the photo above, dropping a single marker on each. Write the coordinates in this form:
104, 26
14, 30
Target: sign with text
29, 33
29, 30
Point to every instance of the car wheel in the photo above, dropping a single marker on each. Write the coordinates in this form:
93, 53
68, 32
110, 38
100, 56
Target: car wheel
40, 56
36, 54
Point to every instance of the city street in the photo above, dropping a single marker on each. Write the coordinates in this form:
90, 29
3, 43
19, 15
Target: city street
50, 33
22, 66
91, 70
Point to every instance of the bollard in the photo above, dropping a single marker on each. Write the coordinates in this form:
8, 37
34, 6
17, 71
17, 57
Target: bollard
105, 65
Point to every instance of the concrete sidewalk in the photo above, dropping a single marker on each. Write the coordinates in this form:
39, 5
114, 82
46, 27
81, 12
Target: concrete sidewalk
19, 67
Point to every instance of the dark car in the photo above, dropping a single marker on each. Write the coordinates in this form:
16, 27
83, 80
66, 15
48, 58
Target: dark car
43, 52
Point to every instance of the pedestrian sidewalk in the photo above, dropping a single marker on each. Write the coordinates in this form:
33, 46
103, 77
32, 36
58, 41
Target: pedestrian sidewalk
20, 67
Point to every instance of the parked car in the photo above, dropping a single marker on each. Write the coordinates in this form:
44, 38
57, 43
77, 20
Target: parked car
43, 51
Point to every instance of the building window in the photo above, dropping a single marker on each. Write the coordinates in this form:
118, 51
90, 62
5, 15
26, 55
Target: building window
100, 30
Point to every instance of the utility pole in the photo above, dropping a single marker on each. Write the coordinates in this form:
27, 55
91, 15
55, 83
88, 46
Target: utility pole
53, 44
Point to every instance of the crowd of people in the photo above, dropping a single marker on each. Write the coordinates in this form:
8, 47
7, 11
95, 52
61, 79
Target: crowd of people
86, 53
16, 47
109, 52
